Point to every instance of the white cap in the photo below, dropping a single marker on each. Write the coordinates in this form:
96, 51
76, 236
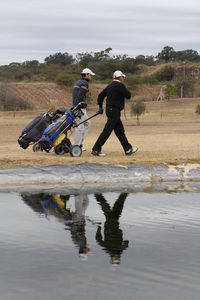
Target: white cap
118, 73
87, 71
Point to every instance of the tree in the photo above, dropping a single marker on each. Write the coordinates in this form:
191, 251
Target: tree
146, 60
62, 59
185, 87
128, 65
166, 74
84, 59
102, 55
170, 91
187, 55
167, 54
137, 109
31, 63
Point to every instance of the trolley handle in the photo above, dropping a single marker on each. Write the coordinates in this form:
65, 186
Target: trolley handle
96, 114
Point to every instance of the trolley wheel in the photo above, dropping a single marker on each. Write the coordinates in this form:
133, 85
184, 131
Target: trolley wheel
76, 151
59, 150
67, 145
37, 147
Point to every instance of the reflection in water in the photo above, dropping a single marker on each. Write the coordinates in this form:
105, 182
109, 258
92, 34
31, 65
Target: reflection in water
113, 242
48, 204
39, 258
70, 209
77, 224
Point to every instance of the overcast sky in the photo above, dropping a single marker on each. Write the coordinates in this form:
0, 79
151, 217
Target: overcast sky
34, 29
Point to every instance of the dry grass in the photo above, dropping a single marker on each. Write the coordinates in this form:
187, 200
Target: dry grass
169, 133
46, 95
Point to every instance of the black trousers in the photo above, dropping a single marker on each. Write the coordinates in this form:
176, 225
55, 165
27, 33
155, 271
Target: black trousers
113, 123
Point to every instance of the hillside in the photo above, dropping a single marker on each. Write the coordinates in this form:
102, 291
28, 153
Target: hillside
40, 95
181, 69
46, 95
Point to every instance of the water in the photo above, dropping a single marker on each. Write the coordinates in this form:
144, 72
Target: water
99, 246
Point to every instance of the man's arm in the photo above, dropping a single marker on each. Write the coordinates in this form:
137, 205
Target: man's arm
101, 97
126, 93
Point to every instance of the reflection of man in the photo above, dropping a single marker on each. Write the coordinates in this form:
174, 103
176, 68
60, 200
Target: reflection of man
77, 227
70, 210
113, 242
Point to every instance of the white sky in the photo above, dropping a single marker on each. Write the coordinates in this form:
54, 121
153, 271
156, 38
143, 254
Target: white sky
34, 29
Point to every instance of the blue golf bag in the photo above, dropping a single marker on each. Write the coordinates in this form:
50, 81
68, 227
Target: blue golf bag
55, 135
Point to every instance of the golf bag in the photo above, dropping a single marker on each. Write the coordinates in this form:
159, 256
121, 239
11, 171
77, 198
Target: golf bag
55, 135
34, 130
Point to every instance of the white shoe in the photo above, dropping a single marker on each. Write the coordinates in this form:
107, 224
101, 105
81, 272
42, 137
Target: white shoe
83, 149
97, 153
131, 151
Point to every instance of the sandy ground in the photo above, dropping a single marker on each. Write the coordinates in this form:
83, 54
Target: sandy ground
169, 133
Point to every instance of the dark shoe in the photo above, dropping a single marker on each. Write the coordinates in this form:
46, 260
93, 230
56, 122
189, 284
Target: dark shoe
131, 151
97, 153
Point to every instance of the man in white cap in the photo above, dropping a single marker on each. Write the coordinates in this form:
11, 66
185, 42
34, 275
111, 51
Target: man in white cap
115, 94
79, 95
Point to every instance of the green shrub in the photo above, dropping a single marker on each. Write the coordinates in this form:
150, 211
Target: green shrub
66, 79
166, 74
49, 72
186, 85
137, 109
136, 80
170, 91
15, 103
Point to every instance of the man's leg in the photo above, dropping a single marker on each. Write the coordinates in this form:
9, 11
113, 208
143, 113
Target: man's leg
81, 130
120, 133
86, 128
78, 137
108, 128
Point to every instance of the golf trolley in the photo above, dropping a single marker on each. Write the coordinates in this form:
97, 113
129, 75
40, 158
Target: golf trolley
33, 131
55, 135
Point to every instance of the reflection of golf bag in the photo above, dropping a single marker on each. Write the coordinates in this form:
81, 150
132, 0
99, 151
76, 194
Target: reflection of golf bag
34, 130
55, 135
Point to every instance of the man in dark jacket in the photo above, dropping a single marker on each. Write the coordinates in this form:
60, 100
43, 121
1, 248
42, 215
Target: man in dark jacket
116, 92
112, 240
79, 95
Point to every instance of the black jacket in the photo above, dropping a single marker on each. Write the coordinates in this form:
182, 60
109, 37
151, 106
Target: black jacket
113, 242
79, 91
116, 92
